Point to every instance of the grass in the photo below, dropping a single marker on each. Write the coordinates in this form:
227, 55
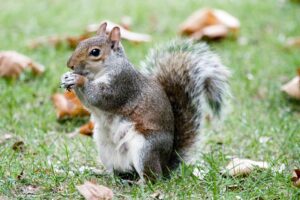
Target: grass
53, 162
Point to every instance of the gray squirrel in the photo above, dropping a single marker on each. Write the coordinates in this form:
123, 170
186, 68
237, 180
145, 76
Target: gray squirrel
145, 122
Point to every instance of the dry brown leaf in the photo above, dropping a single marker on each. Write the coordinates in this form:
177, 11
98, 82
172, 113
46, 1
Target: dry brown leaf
92, 191
242, 167
292, 88
68, 105
125, 34
293, 42
87, 129
211, 32
211, 23
13, 63
296, 178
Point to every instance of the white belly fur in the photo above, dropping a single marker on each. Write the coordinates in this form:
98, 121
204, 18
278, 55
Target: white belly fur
118, 143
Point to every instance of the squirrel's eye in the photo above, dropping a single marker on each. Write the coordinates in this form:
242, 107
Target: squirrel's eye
95, 52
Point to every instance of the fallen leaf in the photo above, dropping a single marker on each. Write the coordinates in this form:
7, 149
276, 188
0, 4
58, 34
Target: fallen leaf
292, 88
296, 178
67, 105
125, 34
293, 42
87, 129
197, 21
210, 23
18, 146
13, 63
30, 189
157, 195
242, 167
92, 191
5, 137
215, 31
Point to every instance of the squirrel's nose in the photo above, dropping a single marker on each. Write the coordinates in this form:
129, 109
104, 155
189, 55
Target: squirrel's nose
70, 63
72, 67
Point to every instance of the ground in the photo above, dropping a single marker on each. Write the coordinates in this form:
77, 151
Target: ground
55, 164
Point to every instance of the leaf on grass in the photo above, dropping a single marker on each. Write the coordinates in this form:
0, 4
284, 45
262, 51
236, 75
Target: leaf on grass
296, 178
125, 34
242, 167
5, 137
210, 23
92, 191
18, 146
67, 105
293, 42
13, 63
292, 88
87, 129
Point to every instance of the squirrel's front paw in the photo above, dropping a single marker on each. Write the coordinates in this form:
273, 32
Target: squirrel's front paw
70, 80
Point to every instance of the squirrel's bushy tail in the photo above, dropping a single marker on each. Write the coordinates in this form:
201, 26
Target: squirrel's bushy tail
192, 77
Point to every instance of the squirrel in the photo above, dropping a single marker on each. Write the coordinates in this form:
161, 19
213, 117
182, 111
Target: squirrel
145, 122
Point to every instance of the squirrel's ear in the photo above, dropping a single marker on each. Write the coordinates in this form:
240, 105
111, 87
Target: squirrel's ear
102, 29
114, 37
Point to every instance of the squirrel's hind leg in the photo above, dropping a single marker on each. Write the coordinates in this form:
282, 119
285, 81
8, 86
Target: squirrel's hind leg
155, 156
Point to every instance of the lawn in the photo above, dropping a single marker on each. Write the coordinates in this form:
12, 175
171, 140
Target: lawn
55, 164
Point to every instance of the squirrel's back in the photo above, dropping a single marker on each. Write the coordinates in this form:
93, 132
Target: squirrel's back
192, 77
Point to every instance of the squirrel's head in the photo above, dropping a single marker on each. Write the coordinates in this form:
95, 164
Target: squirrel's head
91, 54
